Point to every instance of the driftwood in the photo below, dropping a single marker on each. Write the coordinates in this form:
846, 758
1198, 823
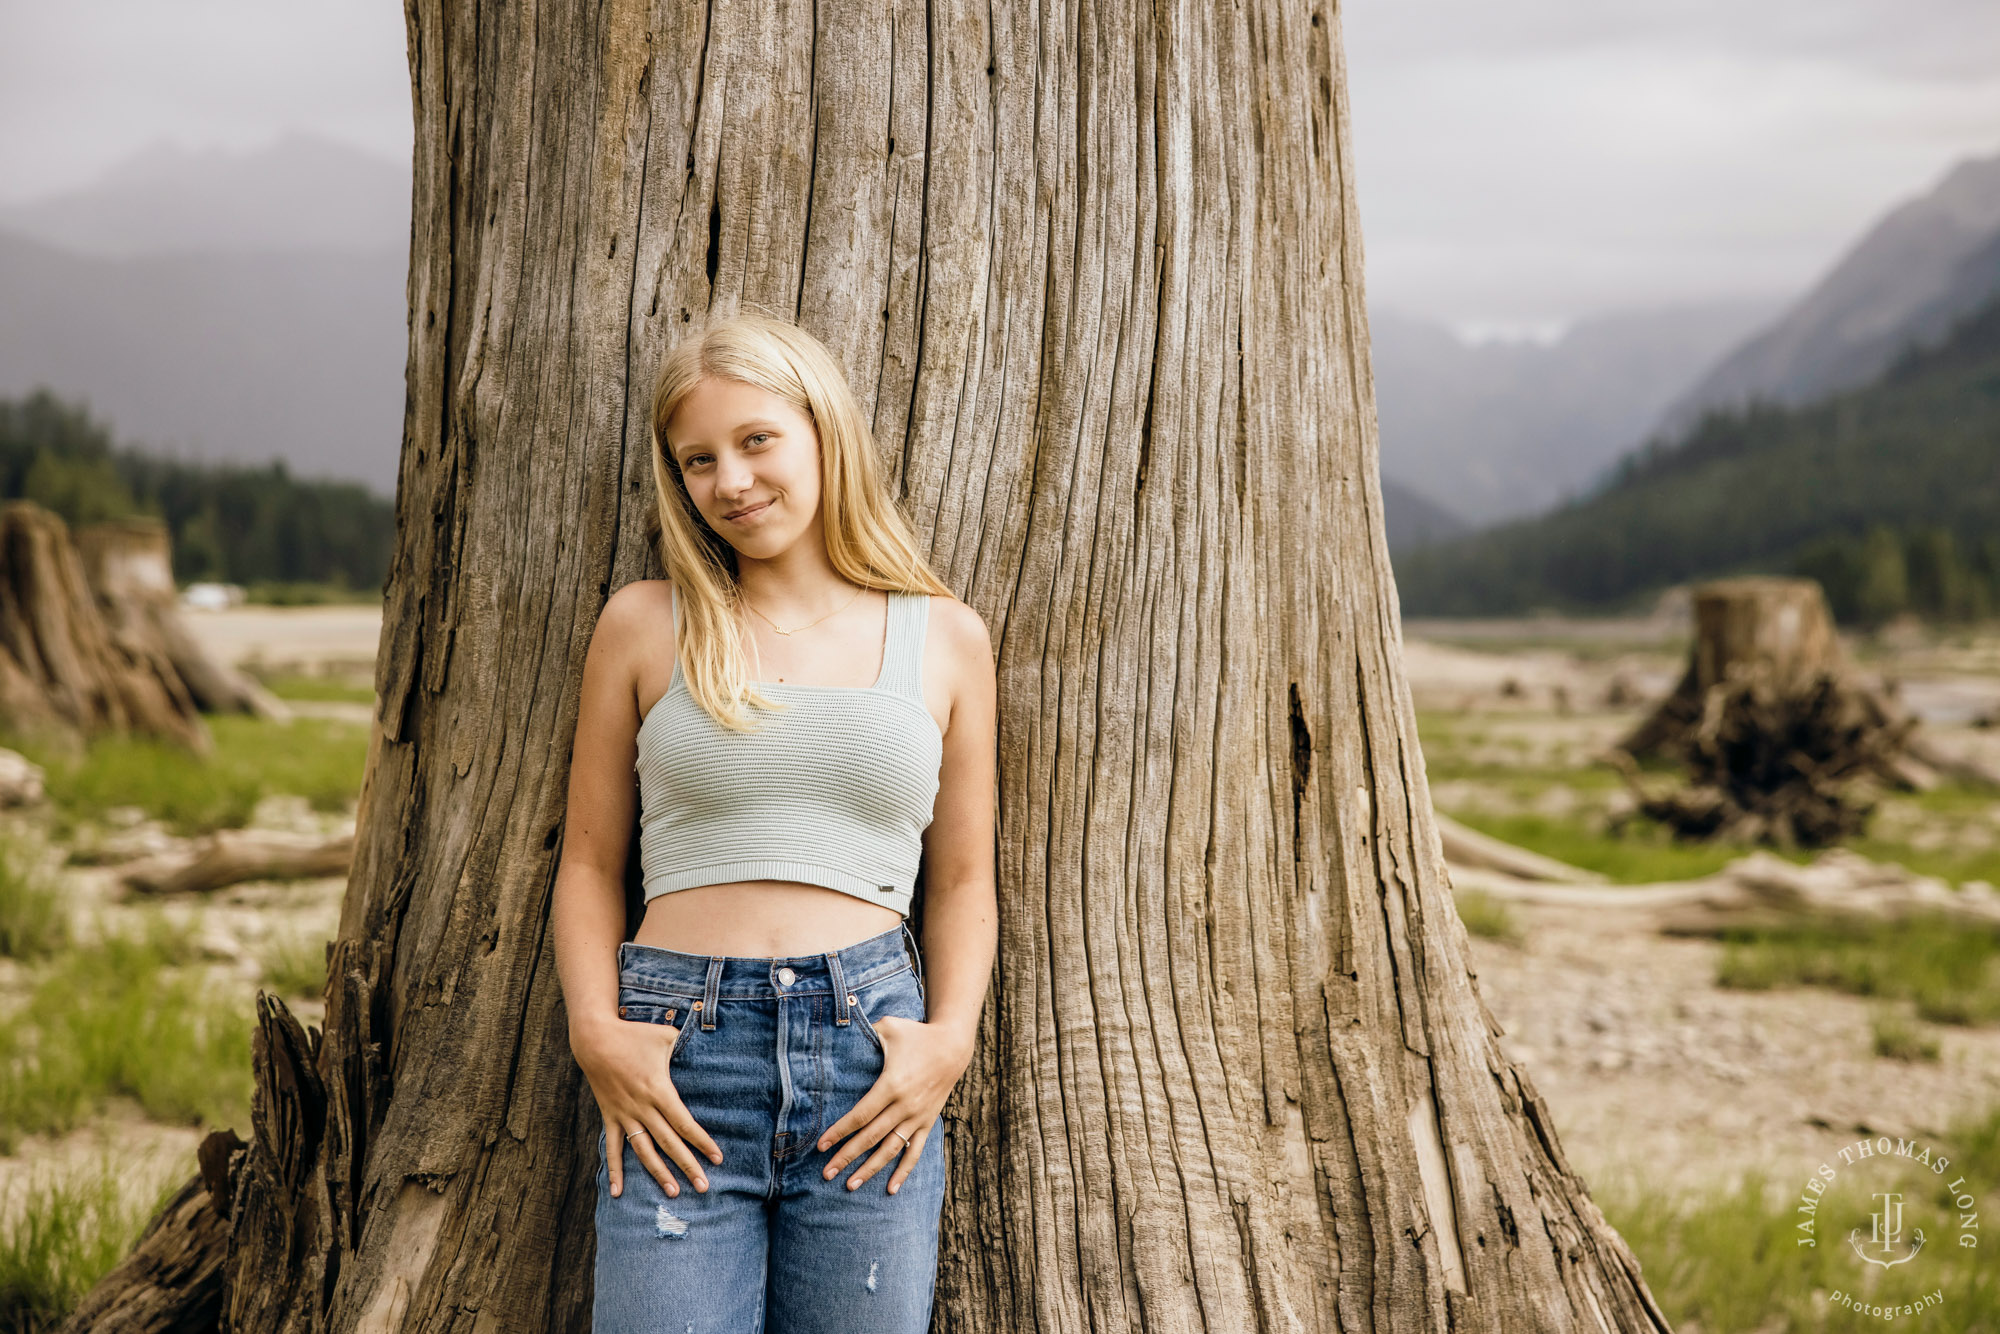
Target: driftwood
1760, 889
63, 672
231, 856
129, 565
1464, 846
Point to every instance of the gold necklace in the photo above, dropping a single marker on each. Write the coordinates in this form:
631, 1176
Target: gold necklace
809, 624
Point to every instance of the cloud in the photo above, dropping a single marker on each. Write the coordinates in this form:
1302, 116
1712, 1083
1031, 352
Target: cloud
86, 83
1554, 159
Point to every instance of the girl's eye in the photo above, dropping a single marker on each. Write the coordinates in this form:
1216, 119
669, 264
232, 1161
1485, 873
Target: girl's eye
694, 460
758, 438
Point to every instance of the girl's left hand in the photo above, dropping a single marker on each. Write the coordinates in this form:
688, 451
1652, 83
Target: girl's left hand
921, 1064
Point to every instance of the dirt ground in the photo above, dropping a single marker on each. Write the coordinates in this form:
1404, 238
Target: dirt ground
1653, 1072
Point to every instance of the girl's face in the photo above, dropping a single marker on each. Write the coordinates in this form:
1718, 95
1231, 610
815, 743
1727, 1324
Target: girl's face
751, 464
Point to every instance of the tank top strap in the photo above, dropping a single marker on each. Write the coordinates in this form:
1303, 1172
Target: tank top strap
903, 655
674, 621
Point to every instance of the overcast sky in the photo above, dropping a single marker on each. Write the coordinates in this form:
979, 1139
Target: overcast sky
1518, 163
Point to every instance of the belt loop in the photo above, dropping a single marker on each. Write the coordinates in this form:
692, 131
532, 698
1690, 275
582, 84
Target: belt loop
840, 994
712, 995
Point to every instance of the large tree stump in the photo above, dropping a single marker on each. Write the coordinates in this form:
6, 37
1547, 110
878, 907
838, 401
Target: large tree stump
64, 673
1779, 627
1782, 744
129, 563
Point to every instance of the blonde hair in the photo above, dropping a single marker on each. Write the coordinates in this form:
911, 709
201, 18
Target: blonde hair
868, 539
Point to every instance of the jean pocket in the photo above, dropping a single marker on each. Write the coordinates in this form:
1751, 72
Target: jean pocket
898, 995
641, 1007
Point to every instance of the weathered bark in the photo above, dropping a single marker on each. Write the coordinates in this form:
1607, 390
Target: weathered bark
1096, 272
129, 563
64, 672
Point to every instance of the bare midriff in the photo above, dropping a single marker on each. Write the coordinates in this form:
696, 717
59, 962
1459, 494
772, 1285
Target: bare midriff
761, 919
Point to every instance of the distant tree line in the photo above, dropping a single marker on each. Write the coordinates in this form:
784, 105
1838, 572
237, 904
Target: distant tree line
236, 523
1888, 494
1885, 571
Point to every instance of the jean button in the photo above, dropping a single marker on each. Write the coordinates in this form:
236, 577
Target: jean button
786, 977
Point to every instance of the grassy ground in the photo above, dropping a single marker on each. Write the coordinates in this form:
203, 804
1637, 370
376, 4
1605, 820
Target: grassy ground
1947, 969
119, 1011
1731, 1262
132, 1014
1727, 1260
59, 1232
316, 758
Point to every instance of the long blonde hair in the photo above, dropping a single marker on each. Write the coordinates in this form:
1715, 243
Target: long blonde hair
868, 539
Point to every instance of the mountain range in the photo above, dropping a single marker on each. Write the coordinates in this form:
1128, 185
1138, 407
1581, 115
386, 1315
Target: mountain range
1498, 429
1925, 266
1909, 461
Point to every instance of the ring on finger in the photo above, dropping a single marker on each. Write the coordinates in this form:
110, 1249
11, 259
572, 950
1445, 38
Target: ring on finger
903, 1137
635, 1134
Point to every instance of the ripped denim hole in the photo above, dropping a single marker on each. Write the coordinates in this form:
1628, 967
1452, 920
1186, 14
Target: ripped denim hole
668, 1224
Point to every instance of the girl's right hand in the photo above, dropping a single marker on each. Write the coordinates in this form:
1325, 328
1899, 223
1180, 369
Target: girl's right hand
625, 1061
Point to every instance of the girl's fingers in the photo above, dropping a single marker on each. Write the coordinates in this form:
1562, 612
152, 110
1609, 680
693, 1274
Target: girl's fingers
614, 1158
674, 1147
892, 1143
908, 1162
871, 1105
867, 1137
649, 1157
689, 1129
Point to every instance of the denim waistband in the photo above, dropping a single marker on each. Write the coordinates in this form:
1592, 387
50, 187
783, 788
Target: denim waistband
673, 973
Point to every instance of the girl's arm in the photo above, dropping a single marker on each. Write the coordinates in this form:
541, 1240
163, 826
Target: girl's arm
625, 1062
923, 1062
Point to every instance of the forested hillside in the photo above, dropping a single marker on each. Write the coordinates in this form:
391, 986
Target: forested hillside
257, 526
1890, 494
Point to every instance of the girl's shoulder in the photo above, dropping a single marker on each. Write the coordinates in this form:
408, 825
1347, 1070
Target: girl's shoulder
638, 620
961, 636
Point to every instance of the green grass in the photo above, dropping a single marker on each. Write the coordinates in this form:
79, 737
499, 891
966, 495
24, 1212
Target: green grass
1646, 853
295, 966
316, 758
1487, 917
1731, 1261
339, 689
129, 1016
1898, 1038
1947, 968
277, 593
60, 1233
34, 920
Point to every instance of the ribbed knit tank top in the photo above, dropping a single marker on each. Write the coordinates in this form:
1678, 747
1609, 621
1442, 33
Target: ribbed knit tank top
835, 790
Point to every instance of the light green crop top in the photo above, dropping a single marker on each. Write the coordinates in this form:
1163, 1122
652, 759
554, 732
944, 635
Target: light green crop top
836, 790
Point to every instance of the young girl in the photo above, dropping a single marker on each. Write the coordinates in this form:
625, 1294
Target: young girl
809, 713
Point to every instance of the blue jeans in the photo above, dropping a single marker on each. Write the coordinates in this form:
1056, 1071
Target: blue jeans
771, 1052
